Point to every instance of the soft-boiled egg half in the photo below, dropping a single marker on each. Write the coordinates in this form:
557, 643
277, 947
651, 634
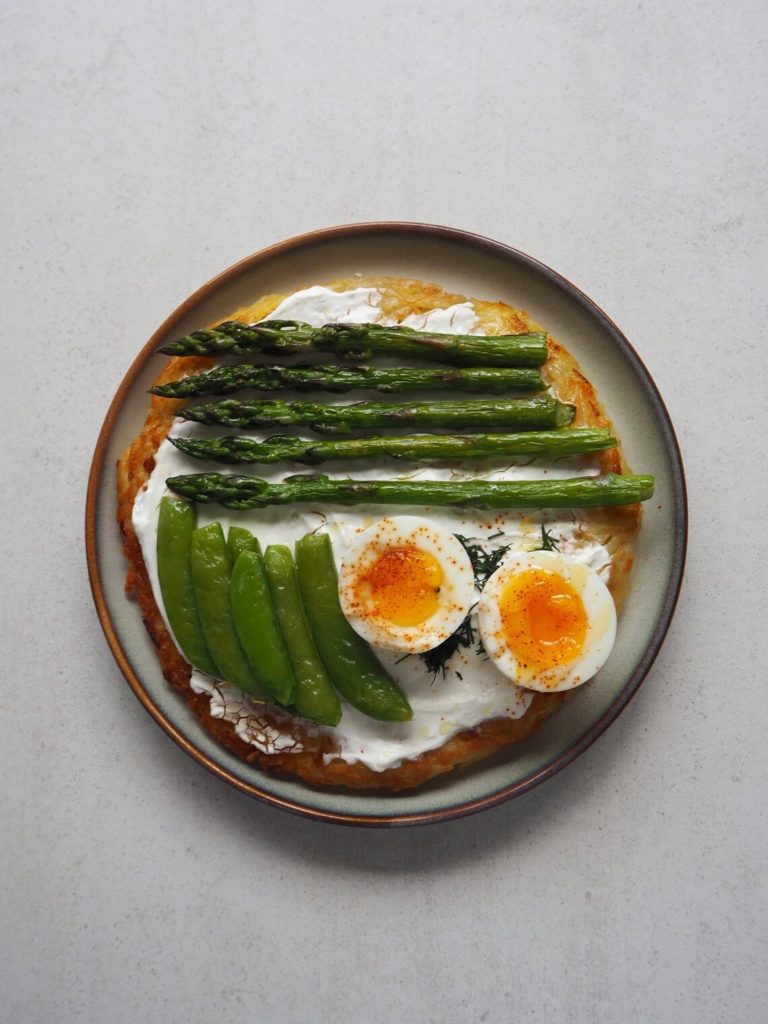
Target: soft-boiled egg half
406, 584
547, 620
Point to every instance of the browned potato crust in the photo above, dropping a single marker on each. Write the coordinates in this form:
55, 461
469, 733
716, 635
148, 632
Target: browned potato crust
616, 528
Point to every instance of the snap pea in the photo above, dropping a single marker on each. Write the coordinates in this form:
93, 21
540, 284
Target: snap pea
211, 570
238, 540
258, 630
352, 665
175, 525
315, 696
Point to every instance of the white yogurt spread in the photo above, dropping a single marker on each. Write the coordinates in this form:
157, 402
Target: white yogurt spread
318, 306
472, 689
458, 319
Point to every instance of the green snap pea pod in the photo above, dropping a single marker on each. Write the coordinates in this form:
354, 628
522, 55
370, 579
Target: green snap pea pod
352, 665
211, 571
315, 696
253, 610
176, 523
238, 540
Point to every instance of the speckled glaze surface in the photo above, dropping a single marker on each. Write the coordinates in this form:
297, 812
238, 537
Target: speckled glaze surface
478, 267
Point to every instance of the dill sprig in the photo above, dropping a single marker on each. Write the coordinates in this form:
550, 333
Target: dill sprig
548, 541
437, 659
484, 562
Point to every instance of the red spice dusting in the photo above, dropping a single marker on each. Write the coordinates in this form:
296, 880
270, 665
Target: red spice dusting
402, 586
543, 619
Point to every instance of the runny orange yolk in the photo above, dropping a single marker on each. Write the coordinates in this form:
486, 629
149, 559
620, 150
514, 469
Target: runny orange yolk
401, 586
543, 619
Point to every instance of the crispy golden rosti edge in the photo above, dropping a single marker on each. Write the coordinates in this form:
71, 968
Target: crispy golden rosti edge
314, 762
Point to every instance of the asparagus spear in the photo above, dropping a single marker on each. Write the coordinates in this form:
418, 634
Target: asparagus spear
524, 413
243, 492
224, 379
415, 448
362, 341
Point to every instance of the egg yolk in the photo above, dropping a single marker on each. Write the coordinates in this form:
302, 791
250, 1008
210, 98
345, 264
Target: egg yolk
543, 619
402, 586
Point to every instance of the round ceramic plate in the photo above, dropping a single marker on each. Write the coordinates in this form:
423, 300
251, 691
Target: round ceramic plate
477, 267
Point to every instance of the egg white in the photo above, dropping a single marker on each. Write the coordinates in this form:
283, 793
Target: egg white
598, 605
457, 589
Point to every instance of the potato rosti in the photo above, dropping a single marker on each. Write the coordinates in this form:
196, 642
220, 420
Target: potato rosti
270, 737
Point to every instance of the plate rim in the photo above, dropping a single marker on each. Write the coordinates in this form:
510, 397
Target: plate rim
679, 503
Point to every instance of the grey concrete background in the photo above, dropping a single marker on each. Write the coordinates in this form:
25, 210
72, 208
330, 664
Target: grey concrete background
145, 147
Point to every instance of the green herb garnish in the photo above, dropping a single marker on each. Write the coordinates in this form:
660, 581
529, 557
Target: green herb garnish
484, 562
437, 659
548, 541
